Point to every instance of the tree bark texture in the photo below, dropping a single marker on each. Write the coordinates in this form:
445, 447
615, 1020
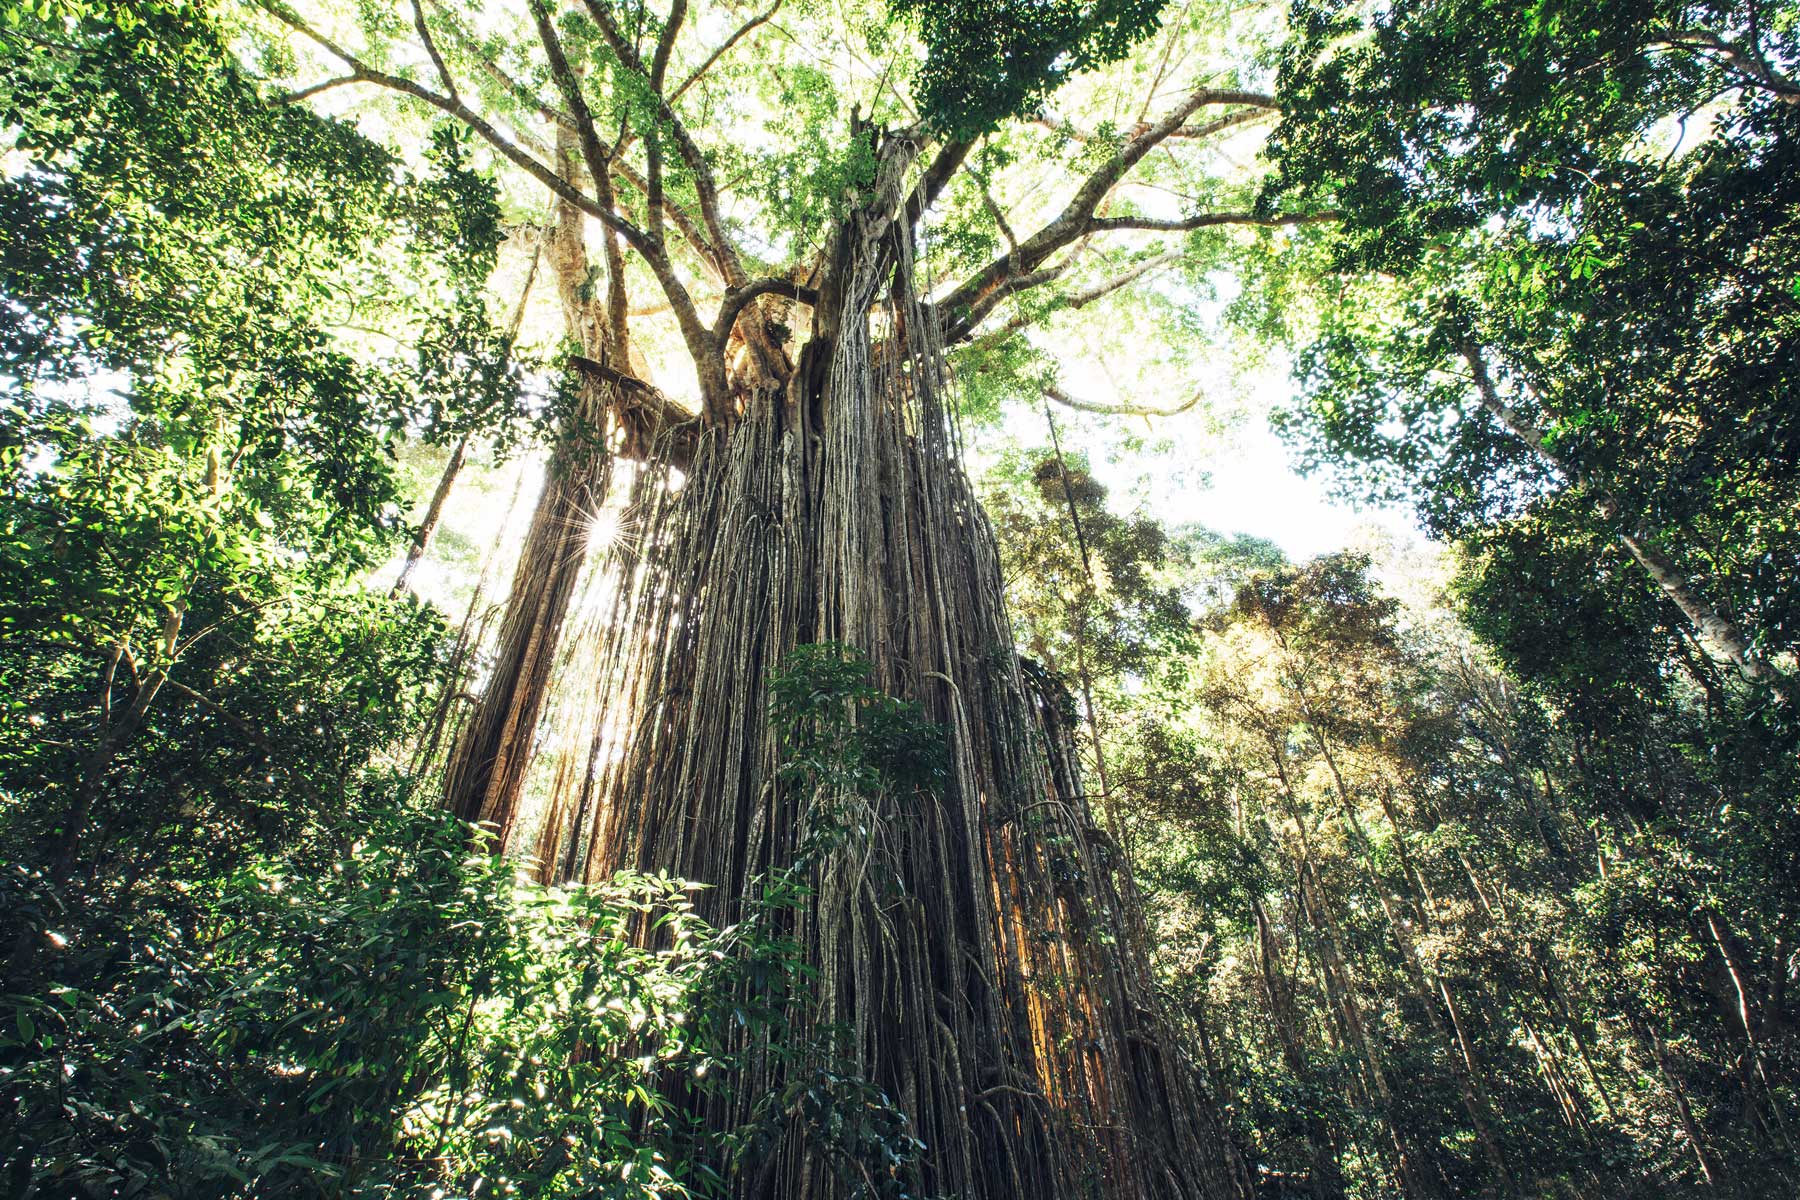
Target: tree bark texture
489, 762
975, 948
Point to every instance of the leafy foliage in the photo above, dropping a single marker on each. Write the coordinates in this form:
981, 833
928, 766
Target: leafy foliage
1597, 209
1412, 896
391, 1015
995, 59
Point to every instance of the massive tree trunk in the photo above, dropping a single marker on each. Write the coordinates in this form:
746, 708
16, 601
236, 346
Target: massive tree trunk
976, 959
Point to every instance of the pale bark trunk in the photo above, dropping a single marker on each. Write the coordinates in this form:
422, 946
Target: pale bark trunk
1719, 631
434, 512
1582, 1045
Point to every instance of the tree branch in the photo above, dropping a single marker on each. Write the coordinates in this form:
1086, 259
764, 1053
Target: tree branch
1206, 129
207, 702
961, 326
363, 73
737, 299
665, 45
1256, 106
1207, 221
709, 364
713, 58
964, 322
1747, 61
659, 68
1077, 215
1724, 634
437, 60
623, 170
1085, 297
1054, 392
706, 188
307, 93
708, 361
647, 416
933, 179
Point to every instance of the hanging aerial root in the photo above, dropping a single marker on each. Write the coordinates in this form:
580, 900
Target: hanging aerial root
979, 954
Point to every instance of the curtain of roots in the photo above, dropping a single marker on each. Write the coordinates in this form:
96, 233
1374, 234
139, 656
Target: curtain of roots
980, 953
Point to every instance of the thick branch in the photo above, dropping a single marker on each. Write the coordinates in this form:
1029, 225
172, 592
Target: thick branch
659, 68
736, 299
706, 188
934, 178
307, 93
654, 425
592, 149
621, 169
665, 45
1206, 129
1077, 216
1747, 61
964, 323
518, 91
709, 363
364, 73
1256, 106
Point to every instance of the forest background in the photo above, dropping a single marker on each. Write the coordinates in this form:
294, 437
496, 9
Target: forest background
398, 399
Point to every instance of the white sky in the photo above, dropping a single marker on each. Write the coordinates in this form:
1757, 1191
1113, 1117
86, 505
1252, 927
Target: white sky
1254, 489
1220, 464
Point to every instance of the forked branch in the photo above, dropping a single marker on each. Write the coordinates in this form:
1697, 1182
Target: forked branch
1081, 299
708, 360
1077, 218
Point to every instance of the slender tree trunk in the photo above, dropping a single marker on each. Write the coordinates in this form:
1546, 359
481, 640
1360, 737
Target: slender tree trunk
1718, 630
459, 456
1338, 986
1709, 1166
1325, 1181
1582, 1044
433, 513
1462, 1055
1557, 1082
1745, 1008
115, 735
1415, 878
